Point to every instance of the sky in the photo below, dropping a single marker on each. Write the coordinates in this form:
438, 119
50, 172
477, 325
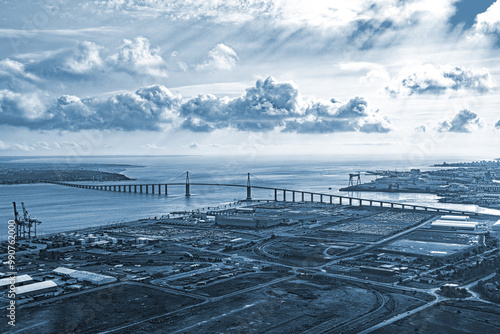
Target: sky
407, 78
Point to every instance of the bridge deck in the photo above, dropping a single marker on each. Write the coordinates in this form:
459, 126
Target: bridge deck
343, 200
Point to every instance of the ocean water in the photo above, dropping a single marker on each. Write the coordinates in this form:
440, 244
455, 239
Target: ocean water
63, 208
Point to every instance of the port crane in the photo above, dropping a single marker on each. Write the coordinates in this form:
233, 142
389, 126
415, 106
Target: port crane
354, 177
24, 223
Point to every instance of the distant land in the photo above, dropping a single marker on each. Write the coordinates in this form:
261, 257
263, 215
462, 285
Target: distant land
35, 173
476, 182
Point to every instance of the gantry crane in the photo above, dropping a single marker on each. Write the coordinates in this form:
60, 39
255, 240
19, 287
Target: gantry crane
24, 222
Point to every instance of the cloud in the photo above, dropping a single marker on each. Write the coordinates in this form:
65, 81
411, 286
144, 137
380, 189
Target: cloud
269, 105
355, 108
272, 104
497, 124
465, 121
220, 58
92, 61
421, 129
145, 109
194, 145
334, 14
136, 57
84, 60
436, 80
152, 147
489, 21
14, 76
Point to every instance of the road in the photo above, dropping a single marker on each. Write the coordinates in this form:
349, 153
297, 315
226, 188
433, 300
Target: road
438, 299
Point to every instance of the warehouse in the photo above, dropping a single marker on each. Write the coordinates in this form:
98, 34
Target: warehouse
248, 221
85, 276
20, 280
455, 218
36, 289
496, 226
454, 225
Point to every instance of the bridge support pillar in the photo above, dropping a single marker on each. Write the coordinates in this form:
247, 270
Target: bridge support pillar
350, 201
321, 198
302, 197
381, 204
392, 205
140, 188
129, 189
249, 188
371, 203
166, 190
188, 190
331, 199
152, 188
284, 195
340, 198
276, 194
293, 196
312, 197
114, 188
147, 188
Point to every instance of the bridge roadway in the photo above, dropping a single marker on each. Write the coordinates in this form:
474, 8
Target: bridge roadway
311, 196
296, 195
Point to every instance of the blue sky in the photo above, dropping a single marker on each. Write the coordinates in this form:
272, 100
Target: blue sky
414, 78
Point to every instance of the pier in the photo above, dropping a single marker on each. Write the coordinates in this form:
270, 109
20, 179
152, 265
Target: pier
280, 194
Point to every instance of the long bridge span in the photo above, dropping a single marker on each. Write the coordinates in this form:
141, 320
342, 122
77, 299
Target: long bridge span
287, 194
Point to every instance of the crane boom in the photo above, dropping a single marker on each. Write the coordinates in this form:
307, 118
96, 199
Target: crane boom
25, 213
16, 214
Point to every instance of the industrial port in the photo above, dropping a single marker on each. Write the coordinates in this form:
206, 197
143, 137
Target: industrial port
476, 182
262, 266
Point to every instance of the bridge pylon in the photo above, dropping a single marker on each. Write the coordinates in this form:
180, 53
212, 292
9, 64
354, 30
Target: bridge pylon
188, 192
249, 189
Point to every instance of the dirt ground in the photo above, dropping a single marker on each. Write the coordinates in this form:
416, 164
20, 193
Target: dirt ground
450, 317
290, 306
98, 310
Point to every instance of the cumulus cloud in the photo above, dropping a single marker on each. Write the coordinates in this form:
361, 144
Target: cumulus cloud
465, 121
137, 57
272, 104
497, 125
267, 106
220, 58
84, 59
435, 80
89, 59
489, 21
145, 109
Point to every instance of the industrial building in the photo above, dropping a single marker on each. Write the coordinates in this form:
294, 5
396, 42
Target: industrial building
496, 226
455, 218
85, 276
247, 221
20, 281
453, 225
36, 289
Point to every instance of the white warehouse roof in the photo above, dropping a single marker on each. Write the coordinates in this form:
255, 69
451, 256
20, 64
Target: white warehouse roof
63, 271
454, 224
86, 276
35, 287
19, 279
496, 226
456, 218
